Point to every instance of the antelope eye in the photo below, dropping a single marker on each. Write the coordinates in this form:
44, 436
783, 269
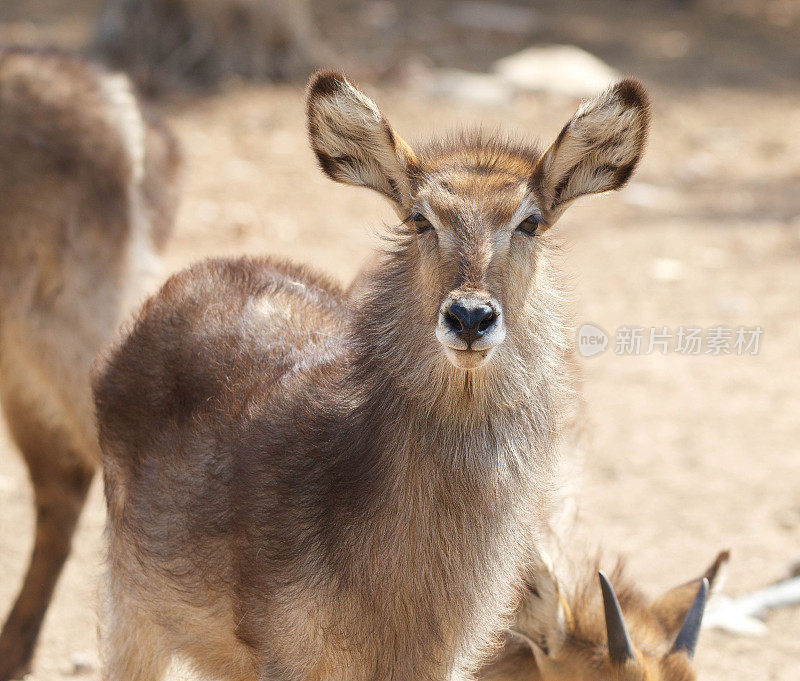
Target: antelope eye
420, 222
529, 224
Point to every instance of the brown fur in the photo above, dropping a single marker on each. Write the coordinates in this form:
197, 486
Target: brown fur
163, 43
303, 484
87, 194
561, 635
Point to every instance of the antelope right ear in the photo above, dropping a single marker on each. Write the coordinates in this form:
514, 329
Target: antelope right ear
353, 141
596, 151
543, 617
671, 608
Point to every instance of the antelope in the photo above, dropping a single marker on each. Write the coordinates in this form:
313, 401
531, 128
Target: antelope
304, 484
164, 43
87, 197
595, 632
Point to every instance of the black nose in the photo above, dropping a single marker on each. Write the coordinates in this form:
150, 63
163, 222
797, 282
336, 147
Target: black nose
470, 322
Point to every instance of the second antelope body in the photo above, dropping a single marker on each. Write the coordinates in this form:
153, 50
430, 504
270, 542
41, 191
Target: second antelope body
303, 484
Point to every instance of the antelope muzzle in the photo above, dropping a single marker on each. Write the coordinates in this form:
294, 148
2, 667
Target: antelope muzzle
470, 328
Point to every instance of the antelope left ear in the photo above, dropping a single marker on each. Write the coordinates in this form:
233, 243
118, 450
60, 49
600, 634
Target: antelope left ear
672, 607
542, 618
596, 151
353, 141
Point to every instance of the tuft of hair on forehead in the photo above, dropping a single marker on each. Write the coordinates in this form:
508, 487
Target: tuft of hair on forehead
479, 151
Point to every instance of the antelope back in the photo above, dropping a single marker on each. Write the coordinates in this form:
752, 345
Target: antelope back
89, 195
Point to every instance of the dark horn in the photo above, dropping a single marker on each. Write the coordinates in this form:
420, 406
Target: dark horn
620, 647
690, 629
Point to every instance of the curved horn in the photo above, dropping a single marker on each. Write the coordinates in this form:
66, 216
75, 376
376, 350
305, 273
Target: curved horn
620, 647
690, 629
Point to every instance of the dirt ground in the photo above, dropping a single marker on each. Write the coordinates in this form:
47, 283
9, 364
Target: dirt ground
684, 455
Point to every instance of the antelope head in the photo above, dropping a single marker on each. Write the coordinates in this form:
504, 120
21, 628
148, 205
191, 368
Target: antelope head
468, 270
606, 630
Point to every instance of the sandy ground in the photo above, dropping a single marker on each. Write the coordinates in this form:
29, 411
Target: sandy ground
684, 455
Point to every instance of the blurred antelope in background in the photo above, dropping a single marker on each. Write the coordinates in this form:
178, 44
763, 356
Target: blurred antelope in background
604, 630
303, 484
164, 43
87, 197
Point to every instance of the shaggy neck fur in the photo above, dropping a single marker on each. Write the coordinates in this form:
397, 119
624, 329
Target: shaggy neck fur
453, 469
397, 360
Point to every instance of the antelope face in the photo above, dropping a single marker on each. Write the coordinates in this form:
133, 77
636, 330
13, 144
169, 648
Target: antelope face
475, 221
473, 208
600, 634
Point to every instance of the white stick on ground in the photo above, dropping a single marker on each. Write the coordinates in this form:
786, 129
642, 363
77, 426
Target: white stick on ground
744, 615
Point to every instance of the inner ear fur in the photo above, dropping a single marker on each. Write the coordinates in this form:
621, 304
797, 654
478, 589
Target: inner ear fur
596, 151
353, 141
671, 608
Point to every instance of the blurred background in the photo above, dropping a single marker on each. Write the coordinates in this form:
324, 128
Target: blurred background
683, 454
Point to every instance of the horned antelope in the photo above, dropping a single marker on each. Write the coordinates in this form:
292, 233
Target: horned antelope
603, 629
86, 198
303, 484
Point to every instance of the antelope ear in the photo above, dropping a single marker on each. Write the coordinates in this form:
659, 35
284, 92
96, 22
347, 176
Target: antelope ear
542, 617
596, 151
353, 141
671, 608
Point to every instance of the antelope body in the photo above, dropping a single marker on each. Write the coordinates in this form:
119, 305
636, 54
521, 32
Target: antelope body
304, 484
86, 200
